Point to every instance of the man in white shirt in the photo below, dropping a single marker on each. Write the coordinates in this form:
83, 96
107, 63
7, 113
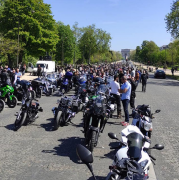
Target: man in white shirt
115, 87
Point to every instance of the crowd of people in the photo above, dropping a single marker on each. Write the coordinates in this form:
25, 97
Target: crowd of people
123, 87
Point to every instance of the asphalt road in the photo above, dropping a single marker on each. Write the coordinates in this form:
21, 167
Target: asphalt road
36, 152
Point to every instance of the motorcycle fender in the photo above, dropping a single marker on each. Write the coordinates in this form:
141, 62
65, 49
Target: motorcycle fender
94, 129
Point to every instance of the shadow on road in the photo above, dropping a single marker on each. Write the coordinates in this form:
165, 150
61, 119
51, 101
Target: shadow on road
97, 177
10, 127
49, 126
67, 148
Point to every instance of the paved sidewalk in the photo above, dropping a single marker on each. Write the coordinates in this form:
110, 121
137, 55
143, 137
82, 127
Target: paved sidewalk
28, 77
167, 71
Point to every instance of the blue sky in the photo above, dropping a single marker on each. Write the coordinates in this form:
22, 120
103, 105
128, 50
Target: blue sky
128, 21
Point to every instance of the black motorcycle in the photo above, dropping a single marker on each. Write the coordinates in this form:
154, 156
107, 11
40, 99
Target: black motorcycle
63, 113
28, 112
22, 88
95, 119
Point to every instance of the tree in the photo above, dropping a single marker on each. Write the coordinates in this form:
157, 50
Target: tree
93, 41
172, 20
65, 46
32, 20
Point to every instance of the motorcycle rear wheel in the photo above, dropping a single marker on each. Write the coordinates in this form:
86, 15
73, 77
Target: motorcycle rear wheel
12, 103
2, 105
92, 141
19, 122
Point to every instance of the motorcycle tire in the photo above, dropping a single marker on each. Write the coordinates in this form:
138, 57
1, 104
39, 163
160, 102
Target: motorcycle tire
39, 93
58, 120
13, 103
92, 141
19, 122
2, 105
33, 94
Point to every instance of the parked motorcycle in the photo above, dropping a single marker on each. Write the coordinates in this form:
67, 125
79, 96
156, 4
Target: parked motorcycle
134, 145
28, 112
6, 94
142, 118
21, 88
63, 113
95, 119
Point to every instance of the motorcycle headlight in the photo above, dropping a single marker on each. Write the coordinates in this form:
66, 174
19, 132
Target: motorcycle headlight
144, 163
147, 125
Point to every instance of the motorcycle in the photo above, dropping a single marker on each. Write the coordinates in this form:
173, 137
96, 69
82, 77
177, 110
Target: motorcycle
126, 168
134, 145
142, 118
6, 93
21, 88
63, 113
36, 85
95, 119
28, 112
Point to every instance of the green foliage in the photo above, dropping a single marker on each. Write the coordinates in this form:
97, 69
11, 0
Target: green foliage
172, 20
66, 45
34, 21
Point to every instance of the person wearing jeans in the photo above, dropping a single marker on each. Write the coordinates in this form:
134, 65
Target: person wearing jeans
126, 93
115, 87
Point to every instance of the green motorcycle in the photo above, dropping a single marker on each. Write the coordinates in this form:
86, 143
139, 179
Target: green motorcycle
6, 94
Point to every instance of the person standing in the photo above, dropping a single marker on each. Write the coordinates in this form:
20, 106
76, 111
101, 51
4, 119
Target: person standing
39, 70
144, 81
133, 89
19, 74
13, 77
172, 70
126, 94
115, 87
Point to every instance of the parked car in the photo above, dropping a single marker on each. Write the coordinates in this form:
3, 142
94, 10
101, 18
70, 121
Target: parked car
160, 74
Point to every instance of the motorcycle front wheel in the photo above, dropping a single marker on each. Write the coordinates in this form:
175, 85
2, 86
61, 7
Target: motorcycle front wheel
58, 120
92, 141
20, 120
12, 103
2, 105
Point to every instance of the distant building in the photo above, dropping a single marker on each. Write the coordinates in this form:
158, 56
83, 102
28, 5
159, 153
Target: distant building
126, 53
163, 47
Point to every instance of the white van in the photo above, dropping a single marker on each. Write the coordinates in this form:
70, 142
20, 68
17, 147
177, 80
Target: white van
46, 66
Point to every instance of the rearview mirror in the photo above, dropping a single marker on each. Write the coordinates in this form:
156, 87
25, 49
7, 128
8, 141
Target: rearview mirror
84, 154
158, 147
112, 136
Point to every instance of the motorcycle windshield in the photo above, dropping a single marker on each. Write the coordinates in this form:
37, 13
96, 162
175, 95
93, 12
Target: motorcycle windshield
51, 76
135, 144
102, 88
